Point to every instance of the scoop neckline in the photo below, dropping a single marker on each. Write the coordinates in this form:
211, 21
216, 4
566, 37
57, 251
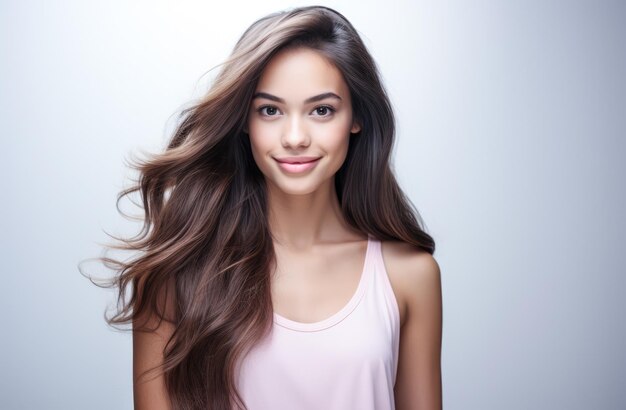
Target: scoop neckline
339, 315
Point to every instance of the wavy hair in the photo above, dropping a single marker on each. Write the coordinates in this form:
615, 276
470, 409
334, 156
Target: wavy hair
205, 242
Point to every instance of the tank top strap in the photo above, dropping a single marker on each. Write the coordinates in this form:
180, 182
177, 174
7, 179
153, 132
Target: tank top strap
386, 302
383, 283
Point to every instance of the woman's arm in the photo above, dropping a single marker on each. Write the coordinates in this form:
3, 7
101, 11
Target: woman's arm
149, 390
418, 382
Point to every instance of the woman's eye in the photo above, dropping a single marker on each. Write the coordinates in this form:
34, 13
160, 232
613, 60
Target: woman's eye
270, 110
324, 109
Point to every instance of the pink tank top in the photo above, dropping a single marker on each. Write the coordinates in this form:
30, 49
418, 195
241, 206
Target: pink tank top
346, 361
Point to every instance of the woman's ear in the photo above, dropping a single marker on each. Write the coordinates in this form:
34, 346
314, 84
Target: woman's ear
356, 127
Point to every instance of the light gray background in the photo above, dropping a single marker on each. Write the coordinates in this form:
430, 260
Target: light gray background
510, 143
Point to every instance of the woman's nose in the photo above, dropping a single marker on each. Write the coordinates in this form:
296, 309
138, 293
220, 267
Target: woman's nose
296, 133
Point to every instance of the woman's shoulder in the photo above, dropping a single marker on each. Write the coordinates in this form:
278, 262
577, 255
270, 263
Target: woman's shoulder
413, 273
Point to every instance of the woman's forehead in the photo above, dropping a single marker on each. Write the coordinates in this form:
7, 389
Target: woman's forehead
298, 74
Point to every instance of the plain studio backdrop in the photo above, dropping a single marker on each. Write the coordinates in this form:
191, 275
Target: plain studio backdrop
510, 142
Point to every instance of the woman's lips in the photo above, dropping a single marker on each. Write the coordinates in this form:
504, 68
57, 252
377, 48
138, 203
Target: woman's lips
299, 158
295, 167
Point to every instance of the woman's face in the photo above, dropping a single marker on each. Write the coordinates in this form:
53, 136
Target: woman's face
301, 108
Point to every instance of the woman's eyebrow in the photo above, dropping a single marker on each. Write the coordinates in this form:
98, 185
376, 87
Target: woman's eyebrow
318, 97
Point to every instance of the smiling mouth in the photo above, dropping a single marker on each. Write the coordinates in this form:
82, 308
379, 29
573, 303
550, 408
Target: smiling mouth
296, 162
297, 167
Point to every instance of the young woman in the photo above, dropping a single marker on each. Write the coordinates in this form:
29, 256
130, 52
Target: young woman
281, 266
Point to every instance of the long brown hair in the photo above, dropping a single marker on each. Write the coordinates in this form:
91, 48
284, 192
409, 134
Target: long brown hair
205, 235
